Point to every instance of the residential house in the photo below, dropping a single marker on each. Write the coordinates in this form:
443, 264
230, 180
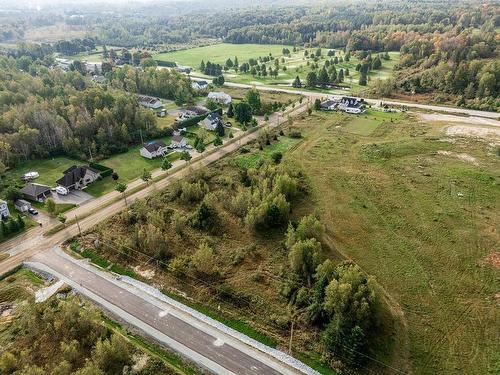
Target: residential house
180, 131
149, 101
200, 85
183, 69
21, 205
351, 105
4, 210
178, 141
211, 121
161, 113
329, 105
36, 192
76, 178
220, 97
153, 149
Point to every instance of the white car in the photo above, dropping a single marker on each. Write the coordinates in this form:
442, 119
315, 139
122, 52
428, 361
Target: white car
62, 190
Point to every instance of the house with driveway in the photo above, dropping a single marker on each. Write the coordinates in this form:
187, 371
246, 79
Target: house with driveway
76, 178
211, 121
149, 101
329, 105
178, 141
36, 192
200, 85
153, 149
219, 97
4, 210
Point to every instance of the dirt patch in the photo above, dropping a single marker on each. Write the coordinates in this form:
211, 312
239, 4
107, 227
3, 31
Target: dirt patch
464, 157
475, 131
493, 259
467, 120
147, 273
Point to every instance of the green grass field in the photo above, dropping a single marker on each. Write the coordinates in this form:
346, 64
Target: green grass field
296, 64
366, 123
422, 222
219, 53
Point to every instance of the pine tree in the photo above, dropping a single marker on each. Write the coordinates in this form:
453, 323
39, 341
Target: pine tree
323, 77
363, 78
296, 83
230, 110
202, 66
20, 222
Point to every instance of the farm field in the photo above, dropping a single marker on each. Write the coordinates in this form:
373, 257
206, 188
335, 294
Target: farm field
219, 53
418, 211
296, 64
367, 122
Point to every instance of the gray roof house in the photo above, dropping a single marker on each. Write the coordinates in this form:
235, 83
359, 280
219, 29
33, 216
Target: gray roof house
4, 210
153, 149
36, 192
76, 178
211, 121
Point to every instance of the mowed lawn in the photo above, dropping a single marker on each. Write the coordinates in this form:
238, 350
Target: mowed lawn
219, 53
423, 223
50, 170
366, 123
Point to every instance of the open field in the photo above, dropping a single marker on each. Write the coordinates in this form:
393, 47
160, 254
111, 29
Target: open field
219, 53
296, 64
367, 122
54, 33
404, 203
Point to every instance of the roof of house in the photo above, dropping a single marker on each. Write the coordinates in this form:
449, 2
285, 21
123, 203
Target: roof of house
34, 190
197, 109
218, 94
214, 116
351, 102
21, 202
154, 145
177, 138
148, 99
73, 174
328, 103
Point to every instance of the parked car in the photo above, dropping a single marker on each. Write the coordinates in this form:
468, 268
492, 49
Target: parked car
62, 190
32, 211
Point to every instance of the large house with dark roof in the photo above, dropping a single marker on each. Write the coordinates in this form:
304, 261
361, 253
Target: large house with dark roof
76, 178
36, 192
211, 121
153, 149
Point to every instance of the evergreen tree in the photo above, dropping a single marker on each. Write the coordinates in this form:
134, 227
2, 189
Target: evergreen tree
311, 79
296, 83
202, 66
230, 110
323, 77
363, 78
20, 222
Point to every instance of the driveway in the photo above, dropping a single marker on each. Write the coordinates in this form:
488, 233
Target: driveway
77, 197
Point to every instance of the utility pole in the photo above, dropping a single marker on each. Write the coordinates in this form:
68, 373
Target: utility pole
78, 225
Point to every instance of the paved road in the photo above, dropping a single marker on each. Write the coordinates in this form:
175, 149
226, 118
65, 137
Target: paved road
217, 351
314, 95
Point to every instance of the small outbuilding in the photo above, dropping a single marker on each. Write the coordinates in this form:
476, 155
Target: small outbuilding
22, 206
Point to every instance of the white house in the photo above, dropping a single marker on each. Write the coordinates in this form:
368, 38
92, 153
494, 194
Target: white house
220, 97
351, 105
153, 149
178, 141
200, 85
149, 101
211, 121
4, 210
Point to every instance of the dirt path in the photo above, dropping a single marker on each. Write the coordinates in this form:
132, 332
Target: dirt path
465, 126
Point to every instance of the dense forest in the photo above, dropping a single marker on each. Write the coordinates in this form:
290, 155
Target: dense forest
46, 112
